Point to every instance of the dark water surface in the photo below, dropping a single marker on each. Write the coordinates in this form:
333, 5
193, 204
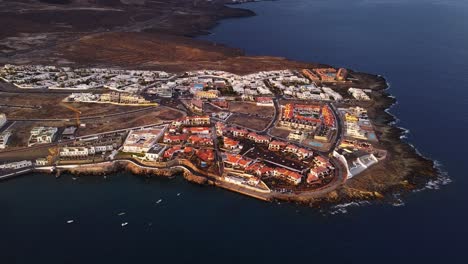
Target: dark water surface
420, 46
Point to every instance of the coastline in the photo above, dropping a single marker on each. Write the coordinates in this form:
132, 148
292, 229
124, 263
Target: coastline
405, 169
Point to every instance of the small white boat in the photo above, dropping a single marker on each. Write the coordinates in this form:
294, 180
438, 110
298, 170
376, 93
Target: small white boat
125, 223
70, 221
178, 194
158, 201
121, 213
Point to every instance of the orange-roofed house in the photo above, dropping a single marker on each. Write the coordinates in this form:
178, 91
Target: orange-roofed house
196, 130
291, 176
264, 101
309, 74
258, 138
236, 161
205, 155
220, 128
188, 150
326, 74
312, 178
196, 140
277, 145
303, 153
259, 169
239, 132
320, 161
318, 172
171, 151
169, 138
230, 143
254, 168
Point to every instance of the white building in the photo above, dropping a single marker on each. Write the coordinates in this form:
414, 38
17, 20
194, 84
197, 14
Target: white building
41, 162
141, 141
336, 96
4, 139
155, 152
234, 180
359, 94
75, 152
3, 119
42, 135
16, 165
353, 130
358, 165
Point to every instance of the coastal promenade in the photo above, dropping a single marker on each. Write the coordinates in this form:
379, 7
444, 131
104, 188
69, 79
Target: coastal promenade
15, 173
188, 167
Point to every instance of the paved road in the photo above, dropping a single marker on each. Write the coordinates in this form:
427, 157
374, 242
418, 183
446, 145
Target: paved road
218, 157
339, 129
14, 173
275, 117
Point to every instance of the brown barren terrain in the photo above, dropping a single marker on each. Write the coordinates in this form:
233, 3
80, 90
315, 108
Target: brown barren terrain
139, 34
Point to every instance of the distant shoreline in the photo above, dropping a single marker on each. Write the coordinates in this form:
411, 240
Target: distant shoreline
172, 51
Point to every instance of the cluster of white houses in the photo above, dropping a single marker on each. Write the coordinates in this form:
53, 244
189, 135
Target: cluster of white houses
141, 141
16, 165
42, 135
52, 77
112, 97
83, 151
359, 94
300, 153
4, 136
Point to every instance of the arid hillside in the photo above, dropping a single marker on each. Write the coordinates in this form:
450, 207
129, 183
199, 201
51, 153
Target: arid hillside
162, 52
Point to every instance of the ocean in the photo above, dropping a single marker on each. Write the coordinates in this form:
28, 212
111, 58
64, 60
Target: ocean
419, 46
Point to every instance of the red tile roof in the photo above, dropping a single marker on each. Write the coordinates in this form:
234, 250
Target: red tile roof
194, 139
196, 130
229, 142
264, 99
205, 154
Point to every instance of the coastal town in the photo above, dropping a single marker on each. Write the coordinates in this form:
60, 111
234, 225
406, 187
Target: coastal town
269, 134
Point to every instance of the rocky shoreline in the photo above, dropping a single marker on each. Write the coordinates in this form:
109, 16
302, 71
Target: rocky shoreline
167, 49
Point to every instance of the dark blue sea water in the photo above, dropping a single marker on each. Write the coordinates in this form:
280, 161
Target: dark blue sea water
420, 46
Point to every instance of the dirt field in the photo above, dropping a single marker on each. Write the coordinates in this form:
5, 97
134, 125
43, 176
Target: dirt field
20, 135
132, 120
21, 129
48, 106
26, 154
282, 133
251, 108
150, 35
254, 123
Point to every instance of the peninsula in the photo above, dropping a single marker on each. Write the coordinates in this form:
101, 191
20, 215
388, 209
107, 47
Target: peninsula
143, 96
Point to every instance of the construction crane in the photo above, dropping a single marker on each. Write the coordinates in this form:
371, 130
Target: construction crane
53, 155
77, 113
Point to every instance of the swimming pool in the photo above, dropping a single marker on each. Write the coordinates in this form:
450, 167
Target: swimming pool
316, 144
